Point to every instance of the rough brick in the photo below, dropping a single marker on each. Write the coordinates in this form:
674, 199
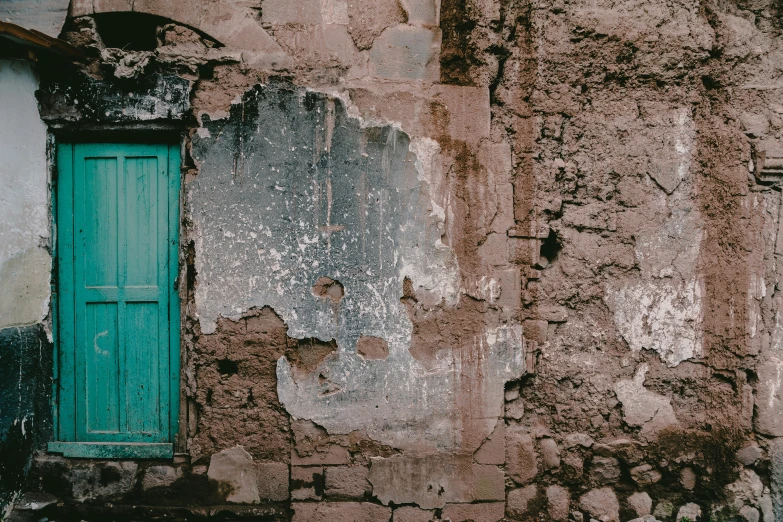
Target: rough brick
342, 511
412, 514
347, 481
273, 480
307, 483
485, 512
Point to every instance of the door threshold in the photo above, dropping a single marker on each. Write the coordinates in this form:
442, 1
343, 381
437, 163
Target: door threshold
113, 450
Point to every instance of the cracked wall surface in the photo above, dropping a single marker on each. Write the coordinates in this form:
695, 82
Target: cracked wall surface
454, 260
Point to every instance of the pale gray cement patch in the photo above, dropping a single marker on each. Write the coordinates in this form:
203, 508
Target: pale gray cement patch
291, 189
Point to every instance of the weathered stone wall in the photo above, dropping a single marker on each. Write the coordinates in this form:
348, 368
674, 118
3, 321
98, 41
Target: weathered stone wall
457, 260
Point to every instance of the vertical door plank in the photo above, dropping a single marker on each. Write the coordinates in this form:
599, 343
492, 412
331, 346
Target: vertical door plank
66, 396
172, 181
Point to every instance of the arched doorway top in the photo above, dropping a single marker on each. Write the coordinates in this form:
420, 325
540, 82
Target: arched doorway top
232, 25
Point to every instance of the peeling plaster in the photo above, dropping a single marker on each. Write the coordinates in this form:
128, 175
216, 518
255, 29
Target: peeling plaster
643, 408
664, 311
291, 189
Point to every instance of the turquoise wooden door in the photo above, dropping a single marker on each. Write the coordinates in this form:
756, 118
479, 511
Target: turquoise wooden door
117, 221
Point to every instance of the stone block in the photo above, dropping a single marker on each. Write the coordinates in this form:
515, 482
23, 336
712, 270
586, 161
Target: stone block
235, 474
160, 476
604, 470
488, 482
750, 454
101, 480
423, 13
370, 18
558, 500
523, 251
273, 480
307, 483
518, 500
640, 503
521, 459
644, 475
304, 12
516, 409
691, 511
412, 514
601, 504
493, 450
688, 478
347, 481
469, 115
81, 8
663, 510
486, 512
536, 330
769, 398
405, 52
112, 6
342, 511
550, 453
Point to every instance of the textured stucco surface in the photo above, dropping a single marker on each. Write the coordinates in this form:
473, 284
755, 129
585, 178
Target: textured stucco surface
25, 263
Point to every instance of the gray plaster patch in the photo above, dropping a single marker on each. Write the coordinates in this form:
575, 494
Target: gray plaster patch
291, 189
46, 16
24, 200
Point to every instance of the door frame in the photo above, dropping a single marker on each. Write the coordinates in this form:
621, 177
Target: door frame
174, 138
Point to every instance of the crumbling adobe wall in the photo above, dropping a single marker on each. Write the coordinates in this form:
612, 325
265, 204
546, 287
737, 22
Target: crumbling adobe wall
464, 260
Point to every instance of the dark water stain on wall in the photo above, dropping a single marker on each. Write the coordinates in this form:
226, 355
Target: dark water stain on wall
25, 411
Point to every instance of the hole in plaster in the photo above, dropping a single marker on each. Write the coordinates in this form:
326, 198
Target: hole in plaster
328, 288
309, 353
550, 247
227, 367
129, 31
372, 348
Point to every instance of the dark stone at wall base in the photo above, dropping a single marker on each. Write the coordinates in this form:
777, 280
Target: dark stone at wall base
25, 406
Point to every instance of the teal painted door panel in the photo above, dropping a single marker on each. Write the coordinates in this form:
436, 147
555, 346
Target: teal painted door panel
117, 218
